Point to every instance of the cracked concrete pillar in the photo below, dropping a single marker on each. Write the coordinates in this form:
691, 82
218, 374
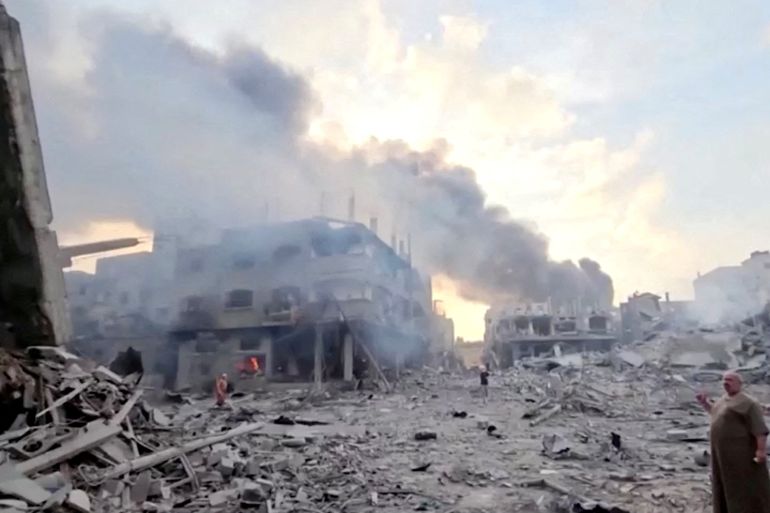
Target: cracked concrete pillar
347, 355
318, 355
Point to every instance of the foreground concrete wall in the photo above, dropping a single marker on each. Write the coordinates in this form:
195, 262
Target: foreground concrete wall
32, 293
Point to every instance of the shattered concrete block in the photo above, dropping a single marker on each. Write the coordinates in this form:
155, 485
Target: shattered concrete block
223, 497
632, 358
160, 418
676, 435
279, 464
702, 459
209, 476
51, 482
425, 435
253, 468
266, 483
226, 467
214, 458
294, 442
141, 488
301, 495
154, 490
7, 505
253, 496
104, 374
13, 484
112, 488
332, 494
79, 501
555, 444
196, 459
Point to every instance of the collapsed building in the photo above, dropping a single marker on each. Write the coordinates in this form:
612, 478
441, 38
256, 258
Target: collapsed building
643, 316
513, 331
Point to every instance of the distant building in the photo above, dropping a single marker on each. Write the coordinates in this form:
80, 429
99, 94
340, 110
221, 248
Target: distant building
732, 293
128, 295
514, 331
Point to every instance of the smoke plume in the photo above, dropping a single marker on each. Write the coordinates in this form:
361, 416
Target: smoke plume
158, 129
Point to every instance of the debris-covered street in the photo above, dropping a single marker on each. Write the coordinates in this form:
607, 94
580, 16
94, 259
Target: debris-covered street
374, 257
599, 434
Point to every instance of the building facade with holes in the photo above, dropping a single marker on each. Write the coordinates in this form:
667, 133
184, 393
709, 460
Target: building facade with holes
266, 294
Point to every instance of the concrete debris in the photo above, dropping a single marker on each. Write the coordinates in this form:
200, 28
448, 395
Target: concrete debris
702, 459
424, 435
555, 445
98, 444
79, 501
141, 489
631, 358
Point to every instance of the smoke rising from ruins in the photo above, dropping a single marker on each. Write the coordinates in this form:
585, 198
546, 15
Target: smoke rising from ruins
159, 129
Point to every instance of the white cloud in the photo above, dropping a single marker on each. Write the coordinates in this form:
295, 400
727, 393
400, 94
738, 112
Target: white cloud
439, 89
766, 37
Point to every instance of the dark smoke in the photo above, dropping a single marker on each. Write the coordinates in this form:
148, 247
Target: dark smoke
161, 129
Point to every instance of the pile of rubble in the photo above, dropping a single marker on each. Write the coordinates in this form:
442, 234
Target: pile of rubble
85, 439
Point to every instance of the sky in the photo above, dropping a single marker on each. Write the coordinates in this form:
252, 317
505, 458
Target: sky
633, 132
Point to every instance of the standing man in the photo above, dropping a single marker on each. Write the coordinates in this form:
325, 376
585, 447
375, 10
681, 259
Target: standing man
484, 377
220, 389
739, 476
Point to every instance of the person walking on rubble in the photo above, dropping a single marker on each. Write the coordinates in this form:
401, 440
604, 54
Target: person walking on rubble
739, 477
220, 389
484, 377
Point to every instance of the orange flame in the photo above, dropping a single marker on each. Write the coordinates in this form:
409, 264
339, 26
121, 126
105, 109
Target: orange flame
254, 363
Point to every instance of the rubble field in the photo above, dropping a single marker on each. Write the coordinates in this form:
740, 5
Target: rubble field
601, 433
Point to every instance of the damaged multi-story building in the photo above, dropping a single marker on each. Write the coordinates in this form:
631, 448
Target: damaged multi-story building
310, 299
514, 331
732, 293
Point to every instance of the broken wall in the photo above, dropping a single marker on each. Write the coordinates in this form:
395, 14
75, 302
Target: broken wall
32, 293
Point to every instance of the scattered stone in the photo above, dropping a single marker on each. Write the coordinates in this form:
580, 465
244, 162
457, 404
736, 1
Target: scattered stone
555, 445
209, 476
160, 418
79, 501
253, 496
13, 504
294, 442
226, 467
702, 459
104, 374
141, 488
676, 435
332, 495
223, 497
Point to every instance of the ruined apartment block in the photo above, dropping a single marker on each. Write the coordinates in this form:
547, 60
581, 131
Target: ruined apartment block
314, 299
515, 331
731, 293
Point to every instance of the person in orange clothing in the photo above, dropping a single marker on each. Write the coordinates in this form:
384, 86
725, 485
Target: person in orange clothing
220, 389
